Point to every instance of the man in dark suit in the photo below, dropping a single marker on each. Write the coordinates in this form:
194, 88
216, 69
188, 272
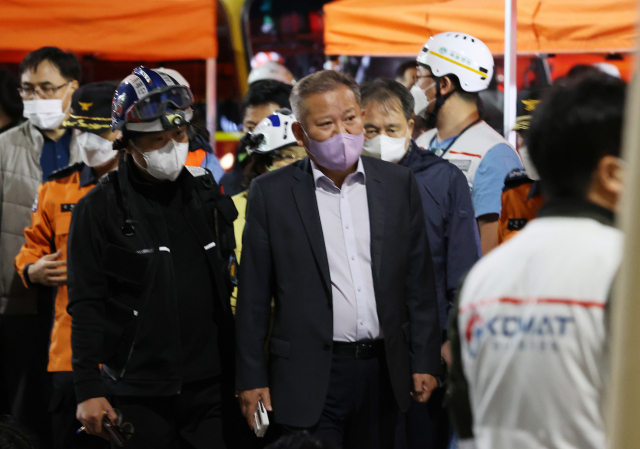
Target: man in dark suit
339, 241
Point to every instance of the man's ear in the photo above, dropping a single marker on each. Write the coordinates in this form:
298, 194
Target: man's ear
299, 133
446, 85
610, 175
411, 124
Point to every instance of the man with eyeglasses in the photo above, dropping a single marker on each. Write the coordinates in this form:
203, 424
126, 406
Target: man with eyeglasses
452, 69
29, 153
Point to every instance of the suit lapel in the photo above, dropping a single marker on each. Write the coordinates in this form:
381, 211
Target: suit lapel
305, 197
376, 199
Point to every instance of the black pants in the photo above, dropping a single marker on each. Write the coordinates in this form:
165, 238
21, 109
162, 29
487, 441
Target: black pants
190, 420
424, 426
63, 417
25, 385
360, 410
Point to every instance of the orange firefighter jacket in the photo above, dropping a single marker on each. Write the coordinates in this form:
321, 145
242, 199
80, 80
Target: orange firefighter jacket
49, 231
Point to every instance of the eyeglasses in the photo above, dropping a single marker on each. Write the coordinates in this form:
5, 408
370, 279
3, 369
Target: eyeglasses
42, 92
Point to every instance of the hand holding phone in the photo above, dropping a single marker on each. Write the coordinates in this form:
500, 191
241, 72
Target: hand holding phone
261, 420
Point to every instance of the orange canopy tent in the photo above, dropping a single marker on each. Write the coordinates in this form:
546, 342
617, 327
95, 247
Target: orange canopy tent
383, 28
149, 30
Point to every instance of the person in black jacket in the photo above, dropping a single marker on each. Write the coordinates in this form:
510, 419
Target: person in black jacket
340, 244
150, 267
448, 210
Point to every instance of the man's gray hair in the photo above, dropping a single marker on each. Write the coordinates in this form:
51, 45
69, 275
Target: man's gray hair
317, 83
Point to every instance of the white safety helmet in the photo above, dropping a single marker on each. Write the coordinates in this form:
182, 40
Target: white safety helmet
271, 71
273, 133
459, 54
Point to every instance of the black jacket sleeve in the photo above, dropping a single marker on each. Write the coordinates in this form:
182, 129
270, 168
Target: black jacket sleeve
422, 302
88, 289
253, 308
458, 392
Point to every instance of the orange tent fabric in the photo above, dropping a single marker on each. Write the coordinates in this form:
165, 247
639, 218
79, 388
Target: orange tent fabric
484, 19
380, 27
375, 27
149, 30
579, 25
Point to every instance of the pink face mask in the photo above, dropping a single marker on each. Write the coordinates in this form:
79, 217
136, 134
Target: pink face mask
339, 152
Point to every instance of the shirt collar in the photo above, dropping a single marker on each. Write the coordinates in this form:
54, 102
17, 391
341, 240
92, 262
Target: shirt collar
577, 208
87, 176
441, 145
66, 137
321, 181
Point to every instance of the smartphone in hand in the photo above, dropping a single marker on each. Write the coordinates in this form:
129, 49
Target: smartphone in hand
261, 420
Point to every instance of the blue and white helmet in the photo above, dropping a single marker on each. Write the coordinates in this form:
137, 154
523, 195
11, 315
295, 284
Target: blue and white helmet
150, 101
272, 133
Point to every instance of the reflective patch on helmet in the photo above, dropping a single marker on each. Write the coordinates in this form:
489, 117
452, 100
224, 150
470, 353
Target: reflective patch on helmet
146, 77
167, 79
118, 108
138, 85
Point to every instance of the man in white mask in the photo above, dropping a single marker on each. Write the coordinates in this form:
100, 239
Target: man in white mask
42, 259
29, 153
150, 271
448, 211
452, 68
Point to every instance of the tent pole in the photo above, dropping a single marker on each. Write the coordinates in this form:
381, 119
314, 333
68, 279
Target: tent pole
510, 73
211, 102
624, 408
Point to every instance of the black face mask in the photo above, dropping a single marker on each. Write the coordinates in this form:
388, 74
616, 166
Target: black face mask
432, 116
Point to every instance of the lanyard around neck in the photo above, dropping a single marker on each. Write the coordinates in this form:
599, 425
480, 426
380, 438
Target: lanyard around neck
454, 139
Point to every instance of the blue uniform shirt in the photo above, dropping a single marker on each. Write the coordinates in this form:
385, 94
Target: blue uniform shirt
489, 180
55, 155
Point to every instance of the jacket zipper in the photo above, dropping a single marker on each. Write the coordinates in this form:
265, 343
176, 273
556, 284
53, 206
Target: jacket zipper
133, 344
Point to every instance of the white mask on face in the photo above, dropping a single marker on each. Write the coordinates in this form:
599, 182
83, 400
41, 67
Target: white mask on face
46, 114
94, 149
421, 103
167, 162
390, 149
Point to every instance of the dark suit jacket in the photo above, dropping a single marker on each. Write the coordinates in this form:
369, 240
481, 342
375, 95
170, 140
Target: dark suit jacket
284, 258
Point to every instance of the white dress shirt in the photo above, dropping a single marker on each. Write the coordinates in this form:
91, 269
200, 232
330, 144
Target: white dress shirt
344, 214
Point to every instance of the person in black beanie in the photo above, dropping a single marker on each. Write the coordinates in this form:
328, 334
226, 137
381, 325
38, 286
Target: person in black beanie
10, 101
